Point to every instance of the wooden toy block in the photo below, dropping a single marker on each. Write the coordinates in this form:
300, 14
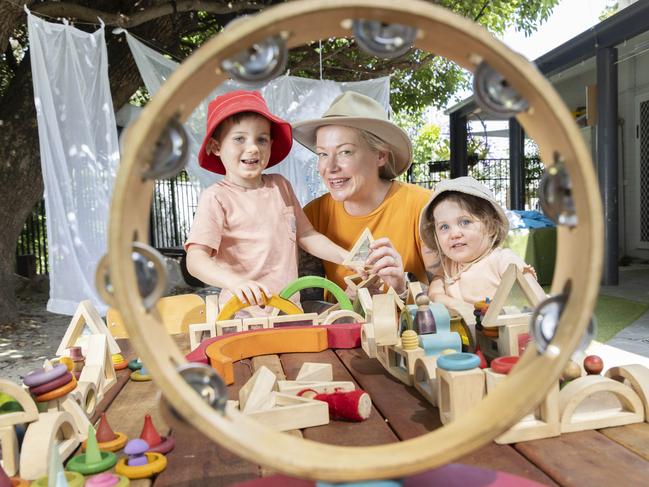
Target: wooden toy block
250, 324
593, 401
508, 337
78, 415
401, 363
226, 327
9, 447
223, 352
637, 377
385, 320
364, 303
543, 422
176, 314
292, 412
92, 374
344, 335
425, 378
306, 319
87, 318
99, 354
414, 289
321, 387
355, 282
397, 300
368, 343
500, 312
52, 430
22, 397
197, 333
350, 317
315, 372
458, 392
488, 346
86, 397
211, 308
323, 315
255, 394
360, 251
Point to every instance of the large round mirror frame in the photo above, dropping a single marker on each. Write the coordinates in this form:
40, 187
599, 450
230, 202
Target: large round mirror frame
578, 265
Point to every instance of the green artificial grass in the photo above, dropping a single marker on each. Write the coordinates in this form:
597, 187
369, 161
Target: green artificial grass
615, 314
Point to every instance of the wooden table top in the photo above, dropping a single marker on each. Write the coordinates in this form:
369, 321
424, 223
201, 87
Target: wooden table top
612, 456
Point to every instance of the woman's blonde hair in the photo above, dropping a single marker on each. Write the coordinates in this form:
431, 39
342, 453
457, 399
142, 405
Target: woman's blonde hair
389, 169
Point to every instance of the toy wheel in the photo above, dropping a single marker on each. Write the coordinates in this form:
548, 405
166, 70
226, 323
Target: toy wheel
544, 118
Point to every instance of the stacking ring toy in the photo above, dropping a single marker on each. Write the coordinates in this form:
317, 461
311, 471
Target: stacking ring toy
135, 364
157, 462
74, 479
502, 365
572, 192
307, 282
39, 376
234, 304
50, 386
107, 479
78, 463
458, 361
59, 392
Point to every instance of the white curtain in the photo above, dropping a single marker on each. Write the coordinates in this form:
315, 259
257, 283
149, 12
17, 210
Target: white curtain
79, 154
289, 97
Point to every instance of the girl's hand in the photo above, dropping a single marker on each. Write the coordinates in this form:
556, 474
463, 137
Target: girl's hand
385, 261
251, 292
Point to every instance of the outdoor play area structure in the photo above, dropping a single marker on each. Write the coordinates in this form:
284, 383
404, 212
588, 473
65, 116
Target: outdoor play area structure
482, 370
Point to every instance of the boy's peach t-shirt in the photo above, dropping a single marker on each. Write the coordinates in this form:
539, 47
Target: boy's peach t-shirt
252, 232
482, 279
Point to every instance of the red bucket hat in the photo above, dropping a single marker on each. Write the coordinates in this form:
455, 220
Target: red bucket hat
239, 101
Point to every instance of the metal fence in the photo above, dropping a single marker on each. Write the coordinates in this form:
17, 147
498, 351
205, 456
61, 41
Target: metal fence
175, 201
494, 173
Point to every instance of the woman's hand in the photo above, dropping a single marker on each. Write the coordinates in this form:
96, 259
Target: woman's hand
385, 261
251, 292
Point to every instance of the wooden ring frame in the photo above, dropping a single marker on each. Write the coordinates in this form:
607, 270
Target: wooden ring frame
234, 304
579, 254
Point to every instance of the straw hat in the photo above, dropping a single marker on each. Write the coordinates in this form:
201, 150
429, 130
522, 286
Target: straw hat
466, 185
352, 109
239, 101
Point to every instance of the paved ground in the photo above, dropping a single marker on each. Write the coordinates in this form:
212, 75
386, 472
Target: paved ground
25, 343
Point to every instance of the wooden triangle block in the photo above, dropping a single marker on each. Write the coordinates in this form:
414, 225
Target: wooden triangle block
360, 251
255, 394
99, 355
498, 313
292, 412
317, 372
86, 316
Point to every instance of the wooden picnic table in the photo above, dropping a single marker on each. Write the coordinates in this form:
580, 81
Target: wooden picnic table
612, 456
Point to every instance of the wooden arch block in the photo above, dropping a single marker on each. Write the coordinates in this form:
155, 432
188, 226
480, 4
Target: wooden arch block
593, 413
385, 320
425, 378
637, 376
22, 397
9, 446
52, 430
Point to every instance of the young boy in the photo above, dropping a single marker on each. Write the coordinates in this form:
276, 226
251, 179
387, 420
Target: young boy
247, 227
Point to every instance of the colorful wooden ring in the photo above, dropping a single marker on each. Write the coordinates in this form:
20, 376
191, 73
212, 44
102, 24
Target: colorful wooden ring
121, 365
56, 393
68, 362
234, 304
135, 364
138, 376
74, 480
502, 365
78, 463
458, 361
308, 282
112, 445
107, 479
157, 463
50, 386
165, 446
39, 376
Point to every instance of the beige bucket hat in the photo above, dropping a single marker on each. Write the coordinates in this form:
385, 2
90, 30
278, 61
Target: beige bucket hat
467, 185
352, 109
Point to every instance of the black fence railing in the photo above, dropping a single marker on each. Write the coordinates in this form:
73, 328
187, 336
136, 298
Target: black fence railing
494, 173
175, 201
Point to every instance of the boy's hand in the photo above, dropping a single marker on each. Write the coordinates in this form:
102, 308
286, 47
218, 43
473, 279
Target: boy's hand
251, 292
385, 261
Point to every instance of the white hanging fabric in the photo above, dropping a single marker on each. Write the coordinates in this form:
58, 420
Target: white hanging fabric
79, 154
294, 99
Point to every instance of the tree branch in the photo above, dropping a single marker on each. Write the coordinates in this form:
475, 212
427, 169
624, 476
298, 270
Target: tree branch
86, 14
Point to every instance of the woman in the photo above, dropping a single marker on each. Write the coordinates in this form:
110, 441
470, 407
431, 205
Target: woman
360, 153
